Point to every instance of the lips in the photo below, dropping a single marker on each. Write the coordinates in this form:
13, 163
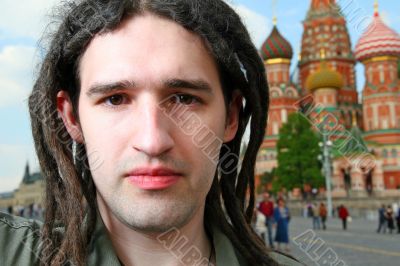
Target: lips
153, 178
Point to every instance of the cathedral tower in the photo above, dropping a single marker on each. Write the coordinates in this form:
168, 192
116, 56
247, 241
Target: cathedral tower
325, 29
277, 53
379, 51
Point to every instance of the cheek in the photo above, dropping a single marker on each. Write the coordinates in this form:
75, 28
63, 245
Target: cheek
103, 144
200, 142
101, 130
97, 147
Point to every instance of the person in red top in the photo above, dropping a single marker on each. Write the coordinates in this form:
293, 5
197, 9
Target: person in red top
343, 214
266, 207
323, 213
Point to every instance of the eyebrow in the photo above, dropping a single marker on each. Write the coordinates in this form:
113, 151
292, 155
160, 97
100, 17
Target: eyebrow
107, 88
197, 84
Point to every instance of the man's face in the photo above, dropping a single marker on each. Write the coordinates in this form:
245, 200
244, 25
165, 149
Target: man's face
152, 175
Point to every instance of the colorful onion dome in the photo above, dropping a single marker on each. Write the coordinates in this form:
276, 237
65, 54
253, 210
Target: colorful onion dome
276, 46
324, 78
377, 40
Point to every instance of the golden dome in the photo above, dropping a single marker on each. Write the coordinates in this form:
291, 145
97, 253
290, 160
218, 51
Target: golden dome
324, 78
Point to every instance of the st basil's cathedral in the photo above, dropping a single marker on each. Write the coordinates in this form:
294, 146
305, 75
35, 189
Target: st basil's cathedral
326, 74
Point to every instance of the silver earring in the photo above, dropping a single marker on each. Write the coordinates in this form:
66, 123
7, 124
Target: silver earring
74, 147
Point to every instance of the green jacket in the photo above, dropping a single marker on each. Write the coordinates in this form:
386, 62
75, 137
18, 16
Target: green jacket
20, 244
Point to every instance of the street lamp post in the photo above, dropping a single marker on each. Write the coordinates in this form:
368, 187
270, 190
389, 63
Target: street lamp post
326, 146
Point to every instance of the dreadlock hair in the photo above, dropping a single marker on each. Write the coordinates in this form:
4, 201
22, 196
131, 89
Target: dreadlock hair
70, 191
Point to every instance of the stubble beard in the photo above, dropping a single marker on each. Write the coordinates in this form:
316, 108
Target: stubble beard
158, 211
156, 215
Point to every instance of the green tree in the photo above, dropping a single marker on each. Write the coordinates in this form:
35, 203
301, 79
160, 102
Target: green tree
298, 152
265, 179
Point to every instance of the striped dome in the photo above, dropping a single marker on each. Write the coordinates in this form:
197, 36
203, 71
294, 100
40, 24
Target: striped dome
377, 40
276, 46
324, 78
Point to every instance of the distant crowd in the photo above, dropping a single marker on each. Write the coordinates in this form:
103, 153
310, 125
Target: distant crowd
388, 216
32, 211
271, 219
320, 214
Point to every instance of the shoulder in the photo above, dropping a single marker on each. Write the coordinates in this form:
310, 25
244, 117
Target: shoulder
12, 226
284, 259
227, 255
19, 240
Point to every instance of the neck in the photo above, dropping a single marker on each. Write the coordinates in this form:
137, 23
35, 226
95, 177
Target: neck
175, 247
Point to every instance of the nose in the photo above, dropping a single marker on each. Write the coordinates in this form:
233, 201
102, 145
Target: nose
152, 133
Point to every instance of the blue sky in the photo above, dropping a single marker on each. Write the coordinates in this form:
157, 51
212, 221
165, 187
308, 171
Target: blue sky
22, 24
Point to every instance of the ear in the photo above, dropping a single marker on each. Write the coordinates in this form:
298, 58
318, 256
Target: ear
65, 111
232, 122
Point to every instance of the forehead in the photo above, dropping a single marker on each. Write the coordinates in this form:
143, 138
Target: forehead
146, 48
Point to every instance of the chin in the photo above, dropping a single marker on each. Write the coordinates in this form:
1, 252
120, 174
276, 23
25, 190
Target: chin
156, 216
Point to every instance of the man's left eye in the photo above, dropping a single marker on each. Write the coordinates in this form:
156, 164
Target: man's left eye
185, 99
115, 100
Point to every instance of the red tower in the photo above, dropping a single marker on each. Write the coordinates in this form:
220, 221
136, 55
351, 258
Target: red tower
379, 51
325, 29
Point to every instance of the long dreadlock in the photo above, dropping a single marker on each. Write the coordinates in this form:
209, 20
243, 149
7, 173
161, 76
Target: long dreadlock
70, 192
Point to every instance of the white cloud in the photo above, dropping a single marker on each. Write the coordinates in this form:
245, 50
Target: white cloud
10, 183
16, 74
258, 25
25, 18
12, 164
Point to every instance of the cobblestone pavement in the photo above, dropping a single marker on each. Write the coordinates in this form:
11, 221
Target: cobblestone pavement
359, 245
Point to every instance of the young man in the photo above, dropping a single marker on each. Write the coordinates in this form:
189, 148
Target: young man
137, 118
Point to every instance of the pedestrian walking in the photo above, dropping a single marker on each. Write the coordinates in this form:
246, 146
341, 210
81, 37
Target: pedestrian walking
21, 211
266, 207
323, 213
282, 218
10, 210
258, 223
389, 218
314, 214
310, 210
343, 215
395, 207
382, 219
